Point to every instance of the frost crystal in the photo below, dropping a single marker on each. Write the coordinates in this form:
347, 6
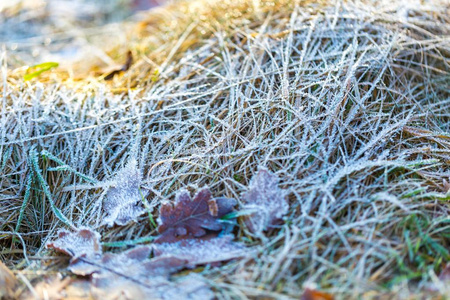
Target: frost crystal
123, 199
199, 252
79, 243
134, 275
266, 201
82, 245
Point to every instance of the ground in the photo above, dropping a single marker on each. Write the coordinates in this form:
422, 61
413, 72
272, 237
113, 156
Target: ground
345, 102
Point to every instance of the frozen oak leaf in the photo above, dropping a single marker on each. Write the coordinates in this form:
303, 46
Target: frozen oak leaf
135, 263
200, 252
265, 200
127, 275
123, 199
131, 275
191, 218
82, 245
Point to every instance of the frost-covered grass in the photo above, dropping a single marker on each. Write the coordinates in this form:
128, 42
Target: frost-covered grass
347, 103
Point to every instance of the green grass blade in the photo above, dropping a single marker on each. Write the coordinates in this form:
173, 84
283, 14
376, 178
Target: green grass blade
64, 167
46, 189
120, 244
39, 69
25, 200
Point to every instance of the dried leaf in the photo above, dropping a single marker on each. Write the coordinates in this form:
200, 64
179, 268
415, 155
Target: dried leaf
311, 294
199, 252
136, 262
191, 218
87, 258
124, 68
123, 200
8, 282
266, 200
127, 275
82, 245
83, 242
131, 275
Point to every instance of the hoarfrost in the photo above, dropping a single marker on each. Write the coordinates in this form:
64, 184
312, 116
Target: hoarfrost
81, 245
122, 203
266, 201
199, 252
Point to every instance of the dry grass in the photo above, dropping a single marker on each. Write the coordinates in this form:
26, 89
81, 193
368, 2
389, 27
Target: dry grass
347, 102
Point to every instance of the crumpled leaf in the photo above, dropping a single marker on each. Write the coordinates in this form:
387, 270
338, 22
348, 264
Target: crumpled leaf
127, 275
82, 245
136, 262
84, 242
8, 282
123, 199
189, 230
199, 252
87, 257
192, 218
133, 275
266, 201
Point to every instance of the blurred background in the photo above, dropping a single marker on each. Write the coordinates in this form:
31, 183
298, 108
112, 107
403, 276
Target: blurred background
33, 31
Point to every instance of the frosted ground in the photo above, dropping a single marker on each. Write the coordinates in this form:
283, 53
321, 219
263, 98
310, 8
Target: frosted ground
346, 102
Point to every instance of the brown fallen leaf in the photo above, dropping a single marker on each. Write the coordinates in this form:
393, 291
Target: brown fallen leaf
132, 275
199, 252
82, 245
127, 275
191, 218
311, 294
87, 257
136, 263
265, 200
8, 282
189, 231
123, 199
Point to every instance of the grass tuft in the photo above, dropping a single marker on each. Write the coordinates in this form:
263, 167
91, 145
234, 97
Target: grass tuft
347, 102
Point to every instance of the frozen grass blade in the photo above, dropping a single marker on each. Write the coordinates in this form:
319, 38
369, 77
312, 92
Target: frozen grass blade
36, 170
